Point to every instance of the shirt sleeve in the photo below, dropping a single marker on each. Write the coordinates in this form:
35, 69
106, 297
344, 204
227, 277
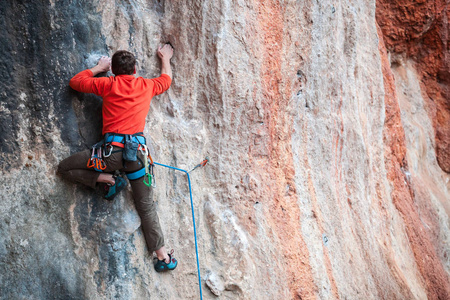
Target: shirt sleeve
86, 82
161, 84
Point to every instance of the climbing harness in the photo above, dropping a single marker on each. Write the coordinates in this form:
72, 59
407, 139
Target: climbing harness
130, 143
203, 163
119, 140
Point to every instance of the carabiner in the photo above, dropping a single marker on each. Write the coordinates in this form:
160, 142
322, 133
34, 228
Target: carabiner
149, 180
110, 150
101, 165
152, 174
91, 162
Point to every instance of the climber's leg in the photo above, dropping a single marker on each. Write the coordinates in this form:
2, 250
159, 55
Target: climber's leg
74, 168
145, 206
147, 212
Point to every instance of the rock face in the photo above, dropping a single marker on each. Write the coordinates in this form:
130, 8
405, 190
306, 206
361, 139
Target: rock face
418, 31
327, 128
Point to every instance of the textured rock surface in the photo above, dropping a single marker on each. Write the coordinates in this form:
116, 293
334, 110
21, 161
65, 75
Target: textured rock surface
327, 127
419, 31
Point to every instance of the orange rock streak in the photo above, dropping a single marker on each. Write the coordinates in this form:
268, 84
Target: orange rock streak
285, 213
420, 31
430, 267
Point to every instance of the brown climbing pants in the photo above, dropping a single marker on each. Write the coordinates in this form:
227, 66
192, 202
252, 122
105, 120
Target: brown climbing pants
74, 168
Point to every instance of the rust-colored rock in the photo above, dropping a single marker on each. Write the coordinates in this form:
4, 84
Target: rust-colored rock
420, 30
430, 266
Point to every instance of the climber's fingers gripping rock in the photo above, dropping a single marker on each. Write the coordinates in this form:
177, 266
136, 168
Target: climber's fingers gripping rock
104, 64
165, 52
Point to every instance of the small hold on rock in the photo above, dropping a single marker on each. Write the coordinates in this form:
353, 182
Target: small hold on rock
214, 283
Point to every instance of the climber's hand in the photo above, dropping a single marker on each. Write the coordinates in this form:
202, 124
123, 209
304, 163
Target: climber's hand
165, 52
104, 64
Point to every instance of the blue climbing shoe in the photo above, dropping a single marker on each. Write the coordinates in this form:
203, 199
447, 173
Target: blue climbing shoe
161, 265
111, 191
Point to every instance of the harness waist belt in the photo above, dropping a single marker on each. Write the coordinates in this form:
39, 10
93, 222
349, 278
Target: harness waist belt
118, 139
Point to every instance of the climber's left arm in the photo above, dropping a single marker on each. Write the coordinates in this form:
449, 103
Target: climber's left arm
86, 82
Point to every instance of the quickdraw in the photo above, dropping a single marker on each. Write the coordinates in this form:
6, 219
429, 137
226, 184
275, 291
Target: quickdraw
96, 162
202, 164
149, 177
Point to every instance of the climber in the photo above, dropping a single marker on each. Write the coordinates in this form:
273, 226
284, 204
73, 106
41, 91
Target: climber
126, 102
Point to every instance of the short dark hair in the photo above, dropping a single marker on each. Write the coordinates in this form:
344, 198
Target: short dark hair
123, 63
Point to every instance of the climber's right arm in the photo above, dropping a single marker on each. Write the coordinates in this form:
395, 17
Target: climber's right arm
165, 53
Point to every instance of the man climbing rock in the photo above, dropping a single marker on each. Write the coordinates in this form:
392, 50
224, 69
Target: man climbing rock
126, 102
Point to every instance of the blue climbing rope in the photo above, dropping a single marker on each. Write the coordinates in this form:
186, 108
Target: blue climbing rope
193, 222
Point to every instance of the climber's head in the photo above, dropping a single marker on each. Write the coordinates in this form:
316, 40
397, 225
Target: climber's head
123, 63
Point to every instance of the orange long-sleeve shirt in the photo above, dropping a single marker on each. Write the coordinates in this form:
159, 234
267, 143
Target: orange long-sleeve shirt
126, 99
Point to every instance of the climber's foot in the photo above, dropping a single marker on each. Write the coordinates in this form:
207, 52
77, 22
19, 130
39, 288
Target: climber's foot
112, 191
163, 265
